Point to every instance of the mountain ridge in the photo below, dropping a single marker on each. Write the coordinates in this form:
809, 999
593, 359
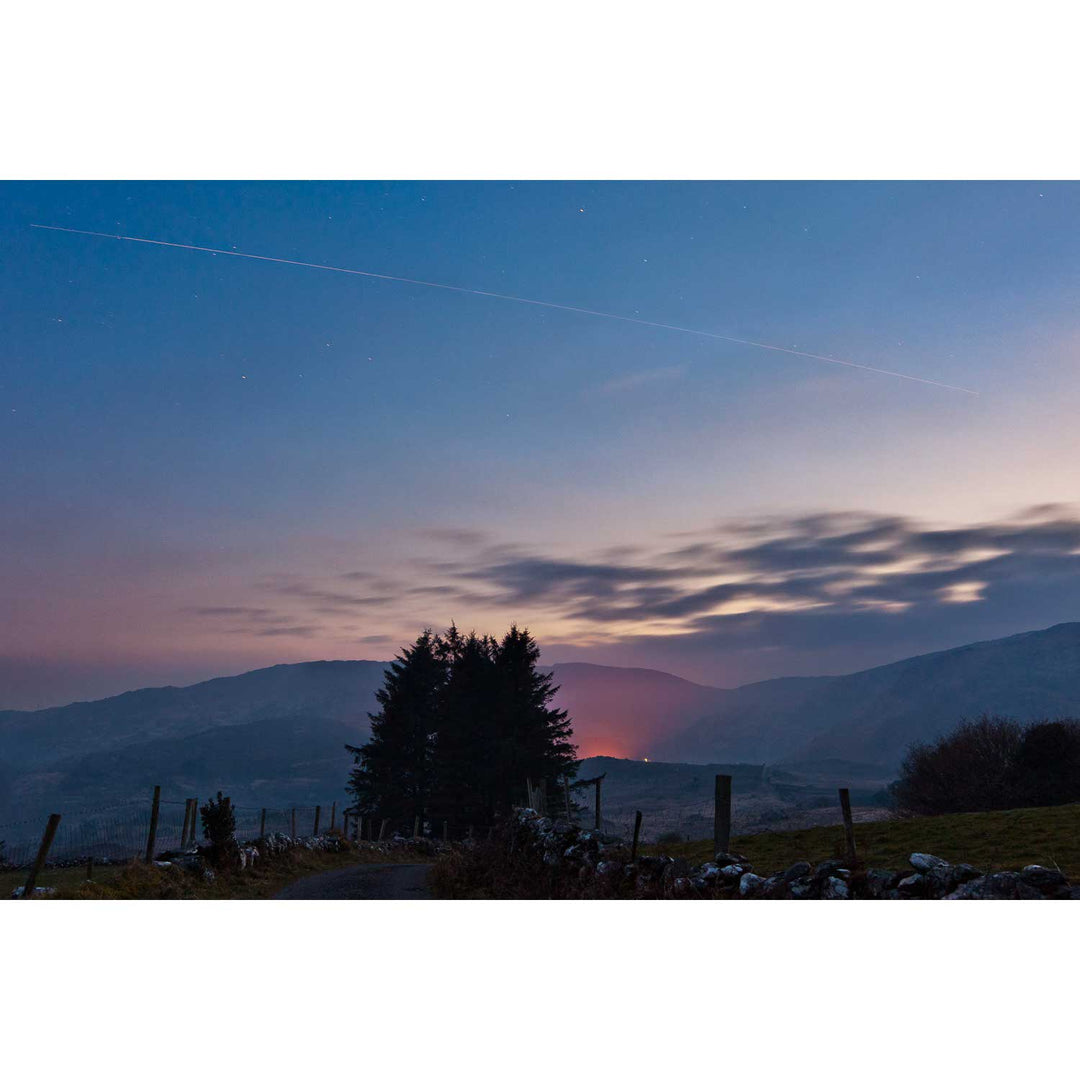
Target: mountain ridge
869, 716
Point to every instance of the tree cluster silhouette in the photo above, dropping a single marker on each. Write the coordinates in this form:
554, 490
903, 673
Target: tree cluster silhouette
992, 763
463, 722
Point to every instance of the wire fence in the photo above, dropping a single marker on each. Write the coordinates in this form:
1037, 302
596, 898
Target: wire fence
121, 832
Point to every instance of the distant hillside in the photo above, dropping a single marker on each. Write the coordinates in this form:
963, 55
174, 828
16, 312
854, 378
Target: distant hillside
624, 712
279, 761
341, 690
874, 715
281, 729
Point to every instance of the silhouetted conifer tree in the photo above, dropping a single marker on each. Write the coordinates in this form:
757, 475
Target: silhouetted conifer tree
464, 764
532, 738
464, 722
394, 771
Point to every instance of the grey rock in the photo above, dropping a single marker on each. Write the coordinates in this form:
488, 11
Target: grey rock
727, 858
801, 889
913, 885
1044, 879
829, 866
774, 887
925, 863
878, 882
750, 884
1006, 885
796, 870
963, 871
834, 889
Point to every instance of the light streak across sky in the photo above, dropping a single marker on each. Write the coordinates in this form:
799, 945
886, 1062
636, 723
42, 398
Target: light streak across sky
517, 300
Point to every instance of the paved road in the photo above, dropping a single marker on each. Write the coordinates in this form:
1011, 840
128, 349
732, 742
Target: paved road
367, 881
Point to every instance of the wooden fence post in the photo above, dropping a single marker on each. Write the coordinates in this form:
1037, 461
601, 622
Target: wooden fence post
194, 821
262, 823
184, 828
318, 812
722, 815
42, 855
333, 814
849, 828
416, 826
637, 834
382, 829
599, 819
155, 807
294, 822
530, 793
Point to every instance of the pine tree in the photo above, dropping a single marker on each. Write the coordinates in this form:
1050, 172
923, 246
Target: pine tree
394, 771
533, 739
464, 765
464, 721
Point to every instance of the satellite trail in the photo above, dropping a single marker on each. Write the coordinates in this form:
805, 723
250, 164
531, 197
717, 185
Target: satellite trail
516, 300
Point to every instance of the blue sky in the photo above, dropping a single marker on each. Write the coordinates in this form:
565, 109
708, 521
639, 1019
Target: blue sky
213, 463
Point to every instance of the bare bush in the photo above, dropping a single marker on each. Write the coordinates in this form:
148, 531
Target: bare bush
992, 763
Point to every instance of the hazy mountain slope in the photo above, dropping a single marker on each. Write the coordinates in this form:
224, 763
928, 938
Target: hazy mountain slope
759, 722
280, 761
874, 715
295, 718
624, 712
341, 690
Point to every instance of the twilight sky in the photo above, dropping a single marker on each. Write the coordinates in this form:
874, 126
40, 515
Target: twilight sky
211, 464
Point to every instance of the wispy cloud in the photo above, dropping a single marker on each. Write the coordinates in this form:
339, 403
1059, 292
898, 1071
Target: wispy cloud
834, 564
637, 379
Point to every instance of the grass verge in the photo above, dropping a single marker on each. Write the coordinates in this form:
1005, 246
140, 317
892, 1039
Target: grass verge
994, 840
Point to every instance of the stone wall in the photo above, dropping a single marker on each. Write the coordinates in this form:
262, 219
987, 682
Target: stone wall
559, 860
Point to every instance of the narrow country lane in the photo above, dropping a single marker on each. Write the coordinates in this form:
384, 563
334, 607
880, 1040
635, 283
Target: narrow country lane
371, 881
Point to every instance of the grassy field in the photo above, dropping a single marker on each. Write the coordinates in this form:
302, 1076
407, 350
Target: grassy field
69, 877
996, 840
137, 881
